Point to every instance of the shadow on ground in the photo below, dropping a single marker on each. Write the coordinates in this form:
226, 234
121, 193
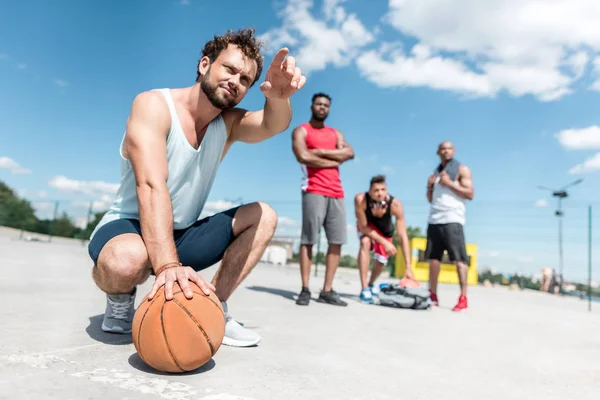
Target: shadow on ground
293, 295
136, 362
95, 331
279, 292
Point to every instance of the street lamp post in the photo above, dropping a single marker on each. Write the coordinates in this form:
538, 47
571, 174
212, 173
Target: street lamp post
560, 194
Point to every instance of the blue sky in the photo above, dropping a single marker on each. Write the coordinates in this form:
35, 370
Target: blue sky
519, 97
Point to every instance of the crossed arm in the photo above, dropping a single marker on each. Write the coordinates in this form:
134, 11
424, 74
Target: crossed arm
463, 186
320, 158
343, 152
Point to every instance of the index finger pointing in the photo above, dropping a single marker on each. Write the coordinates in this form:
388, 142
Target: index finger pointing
280, 56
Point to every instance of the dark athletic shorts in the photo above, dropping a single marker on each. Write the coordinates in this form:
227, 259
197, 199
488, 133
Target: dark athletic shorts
448, 237
198, 246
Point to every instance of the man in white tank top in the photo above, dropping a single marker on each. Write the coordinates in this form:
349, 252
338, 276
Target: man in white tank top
173, 144
448, 189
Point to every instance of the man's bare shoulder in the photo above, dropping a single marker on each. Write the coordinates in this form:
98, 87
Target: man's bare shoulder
397, 206
150, 103
464, 170
299, 131
360, 197
149, 112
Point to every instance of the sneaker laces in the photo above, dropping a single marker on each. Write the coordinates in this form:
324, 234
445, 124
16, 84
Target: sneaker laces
120, 309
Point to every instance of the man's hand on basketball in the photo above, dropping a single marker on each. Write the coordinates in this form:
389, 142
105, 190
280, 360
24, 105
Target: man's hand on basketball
182, 275
445, 179
283, 77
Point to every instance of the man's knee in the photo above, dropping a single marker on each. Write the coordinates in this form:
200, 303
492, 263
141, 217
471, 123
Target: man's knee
334, 248
365, 243
461, 265
268, 218
121, 266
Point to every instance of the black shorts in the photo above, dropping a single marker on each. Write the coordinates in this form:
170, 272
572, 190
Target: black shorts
448, 237
198, 246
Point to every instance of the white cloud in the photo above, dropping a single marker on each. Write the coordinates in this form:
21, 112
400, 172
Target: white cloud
3, 56
494, 254
21, 65
288, 227
65, 184
42, 194
61, 83
541, 203
580, 139
421, 70
590, 165
214, 207
102, 204
332, 10
531, 47
12, 166
287, 222
81, 222
336, 40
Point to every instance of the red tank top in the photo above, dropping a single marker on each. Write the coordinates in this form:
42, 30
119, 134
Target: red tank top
323, 181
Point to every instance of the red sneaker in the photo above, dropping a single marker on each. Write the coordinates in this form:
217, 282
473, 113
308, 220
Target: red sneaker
434, 299
462, 303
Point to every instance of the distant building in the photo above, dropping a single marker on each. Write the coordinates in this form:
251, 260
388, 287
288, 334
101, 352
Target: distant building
279, 250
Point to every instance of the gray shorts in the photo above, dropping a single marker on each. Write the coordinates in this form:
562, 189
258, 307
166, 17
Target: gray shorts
318, 211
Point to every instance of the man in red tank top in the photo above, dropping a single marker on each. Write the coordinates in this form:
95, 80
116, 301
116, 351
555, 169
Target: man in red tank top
320, 150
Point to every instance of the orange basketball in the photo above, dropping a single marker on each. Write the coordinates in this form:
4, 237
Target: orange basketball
180, 334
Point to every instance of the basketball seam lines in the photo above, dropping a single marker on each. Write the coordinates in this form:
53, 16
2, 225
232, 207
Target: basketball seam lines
162, 324
202, 294
212, 350
142, 323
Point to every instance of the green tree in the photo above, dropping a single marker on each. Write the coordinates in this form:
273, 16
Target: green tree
14, 211
63, 226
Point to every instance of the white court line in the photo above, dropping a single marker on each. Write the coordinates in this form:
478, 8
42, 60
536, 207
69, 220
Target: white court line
161, 387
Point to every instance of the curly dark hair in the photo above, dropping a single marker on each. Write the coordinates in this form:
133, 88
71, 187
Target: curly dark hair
321, 94
244, 39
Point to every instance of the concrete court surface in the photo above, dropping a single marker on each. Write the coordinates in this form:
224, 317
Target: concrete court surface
508, 345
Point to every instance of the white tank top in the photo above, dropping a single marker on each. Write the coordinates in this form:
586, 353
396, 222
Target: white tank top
191, 173
446, 206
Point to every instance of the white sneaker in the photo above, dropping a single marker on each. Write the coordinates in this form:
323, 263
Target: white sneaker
374, 290
235, 334
119, 313
366, 296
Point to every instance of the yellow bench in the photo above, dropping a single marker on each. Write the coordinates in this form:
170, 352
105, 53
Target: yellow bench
448, 273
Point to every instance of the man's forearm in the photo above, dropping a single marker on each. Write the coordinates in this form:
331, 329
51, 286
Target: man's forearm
340, 155
312, 160
277, 115
156, 221
403, 241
